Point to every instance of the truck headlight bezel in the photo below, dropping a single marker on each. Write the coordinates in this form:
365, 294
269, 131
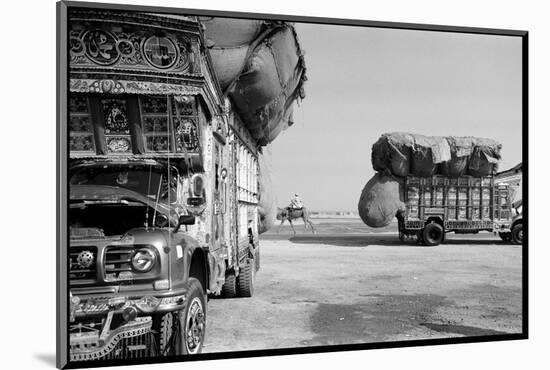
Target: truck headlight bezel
143, 260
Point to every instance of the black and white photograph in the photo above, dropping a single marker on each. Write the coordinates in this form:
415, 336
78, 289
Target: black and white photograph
205, 184
240, 184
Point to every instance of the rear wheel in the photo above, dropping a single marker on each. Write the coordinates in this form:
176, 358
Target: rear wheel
229, 288
433, 234
505, 236
246, 278
517, 234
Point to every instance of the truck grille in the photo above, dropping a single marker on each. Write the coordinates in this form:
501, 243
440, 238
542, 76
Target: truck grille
118, 259
83, 263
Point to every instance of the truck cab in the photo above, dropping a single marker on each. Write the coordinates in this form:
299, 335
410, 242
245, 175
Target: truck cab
515, 234
135, 269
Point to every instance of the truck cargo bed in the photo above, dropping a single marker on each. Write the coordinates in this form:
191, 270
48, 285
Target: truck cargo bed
466, 204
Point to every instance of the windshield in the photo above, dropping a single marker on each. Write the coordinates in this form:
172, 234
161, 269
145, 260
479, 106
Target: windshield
149, 180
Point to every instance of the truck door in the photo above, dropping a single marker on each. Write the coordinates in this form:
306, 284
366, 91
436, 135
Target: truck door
221, 215
218, 196
503, 208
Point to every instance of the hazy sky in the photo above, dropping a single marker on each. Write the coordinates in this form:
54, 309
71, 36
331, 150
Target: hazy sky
363, 82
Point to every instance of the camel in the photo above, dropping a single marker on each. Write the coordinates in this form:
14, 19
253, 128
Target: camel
289, 215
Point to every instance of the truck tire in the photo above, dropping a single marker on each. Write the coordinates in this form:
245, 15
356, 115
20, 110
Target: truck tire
517, 234
164, 326
246, 278
433, 234
505, 236
401, 237
193, 320
229, 288
182, 332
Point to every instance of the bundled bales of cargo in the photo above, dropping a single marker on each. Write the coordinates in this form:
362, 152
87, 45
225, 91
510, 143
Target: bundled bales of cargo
267, 209
461, 149
260, 66
392, 153
229, 41
484, 158
271, 81
381, 200
402, 154
427, 153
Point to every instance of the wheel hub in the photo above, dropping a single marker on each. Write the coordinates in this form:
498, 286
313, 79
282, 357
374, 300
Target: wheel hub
194, 326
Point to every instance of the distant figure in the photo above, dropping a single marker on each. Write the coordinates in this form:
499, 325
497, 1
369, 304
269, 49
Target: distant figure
296, 203
288, 214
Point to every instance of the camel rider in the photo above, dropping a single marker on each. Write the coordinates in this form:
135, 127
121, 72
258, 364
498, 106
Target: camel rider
296, 202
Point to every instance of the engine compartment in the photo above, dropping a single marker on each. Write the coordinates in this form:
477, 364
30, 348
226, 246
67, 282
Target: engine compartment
102, 220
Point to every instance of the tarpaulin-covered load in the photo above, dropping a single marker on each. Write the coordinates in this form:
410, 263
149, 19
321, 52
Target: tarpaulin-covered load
229, 41
401, 154
461, 149
392, 153
267, 209
427, 152
260, 66
381, 199
484, 158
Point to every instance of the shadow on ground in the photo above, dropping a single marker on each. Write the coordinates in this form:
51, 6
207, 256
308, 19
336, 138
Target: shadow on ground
467, 331
378, 240
380, 319
46, 358
386, 318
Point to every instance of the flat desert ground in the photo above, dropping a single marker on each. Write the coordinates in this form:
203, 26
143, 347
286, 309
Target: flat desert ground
349, 283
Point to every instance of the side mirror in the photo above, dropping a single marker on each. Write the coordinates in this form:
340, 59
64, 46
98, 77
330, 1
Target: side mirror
196, 201
187, 220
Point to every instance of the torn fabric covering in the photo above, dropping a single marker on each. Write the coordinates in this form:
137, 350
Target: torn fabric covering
461, 149
260, 66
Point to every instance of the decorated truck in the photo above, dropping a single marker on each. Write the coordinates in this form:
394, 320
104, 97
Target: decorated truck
438, 205
435, 185
164, 184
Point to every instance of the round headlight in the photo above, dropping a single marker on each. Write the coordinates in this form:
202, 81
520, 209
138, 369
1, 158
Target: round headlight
143, 260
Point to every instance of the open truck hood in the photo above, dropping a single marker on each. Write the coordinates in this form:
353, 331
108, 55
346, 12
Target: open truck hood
106, 193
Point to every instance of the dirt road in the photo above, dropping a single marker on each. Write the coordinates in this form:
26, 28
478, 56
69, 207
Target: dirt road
332, 288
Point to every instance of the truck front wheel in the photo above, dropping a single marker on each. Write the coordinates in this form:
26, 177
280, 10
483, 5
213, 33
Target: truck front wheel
433, 234
182, 332
193, 319
517, 234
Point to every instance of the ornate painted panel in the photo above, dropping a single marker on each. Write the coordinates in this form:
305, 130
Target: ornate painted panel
117, 129
139, 49
81, 133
